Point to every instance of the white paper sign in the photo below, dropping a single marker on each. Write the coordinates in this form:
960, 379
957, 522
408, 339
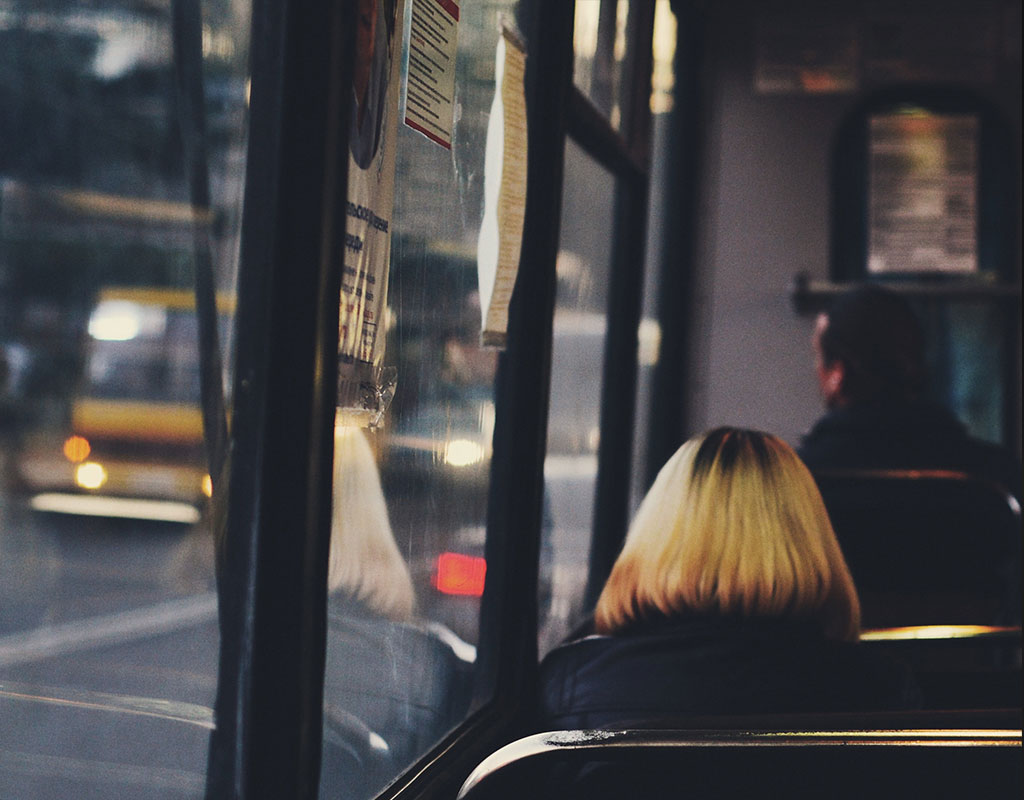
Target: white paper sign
430, 84
505, 163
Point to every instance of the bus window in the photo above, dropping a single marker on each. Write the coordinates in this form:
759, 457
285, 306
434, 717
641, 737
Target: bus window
921, 201
599, 43
578, 339
601, 349
118, 195
407, 569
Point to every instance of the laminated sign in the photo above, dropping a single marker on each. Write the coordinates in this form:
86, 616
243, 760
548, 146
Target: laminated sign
365, 386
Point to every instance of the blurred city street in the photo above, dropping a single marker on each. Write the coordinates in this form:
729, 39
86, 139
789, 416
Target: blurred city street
125, 608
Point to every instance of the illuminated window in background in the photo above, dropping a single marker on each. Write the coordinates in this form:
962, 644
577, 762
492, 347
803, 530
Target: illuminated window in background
923, 196
599, 45
664, 45
923, 193
922, 200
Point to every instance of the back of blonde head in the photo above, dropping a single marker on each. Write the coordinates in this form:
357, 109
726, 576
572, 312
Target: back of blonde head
733, 525
365, 562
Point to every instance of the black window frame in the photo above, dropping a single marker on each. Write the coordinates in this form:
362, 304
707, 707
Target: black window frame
272, 575
625, 153
273, 517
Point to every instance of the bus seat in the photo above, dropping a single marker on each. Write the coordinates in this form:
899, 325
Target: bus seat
742, 762
957, 666
927, 547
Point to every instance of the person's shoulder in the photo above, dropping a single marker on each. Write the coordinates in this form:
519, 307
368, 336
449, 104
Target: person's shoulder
642, 646
911, 435
835, 440
873, 678
1002, 464
563, 663
575, 651
993, 450
986, 460
560, 673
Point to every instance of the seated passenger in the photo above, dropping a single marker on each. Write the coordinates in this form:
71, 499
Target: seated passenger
870, 360
730, 596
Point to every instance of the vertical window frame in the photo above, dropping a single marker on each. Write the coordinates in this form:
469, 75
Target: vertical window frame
625, 154
272, 578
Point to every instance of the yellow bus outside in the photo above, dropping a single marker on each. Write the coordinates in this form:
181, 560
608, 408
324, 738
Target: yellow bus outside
134, 443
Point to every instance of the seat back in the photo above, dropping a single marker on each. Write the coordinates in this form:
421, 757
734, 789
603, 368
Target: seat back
927, 546
744, 762
957, 666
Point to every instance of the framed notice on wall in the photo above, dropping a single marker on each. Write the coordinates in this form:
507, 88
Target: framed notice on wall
923, 192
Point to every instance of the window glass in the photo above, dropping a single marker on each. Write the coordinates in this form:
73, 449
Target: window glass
649, 333
599, 47
922, 199
648, 351
967, 357
663, 50
580, 324
410, 495
108, 629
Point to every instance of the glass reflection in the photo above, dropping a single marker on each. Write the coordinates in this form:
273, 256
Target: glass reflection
393, 685
398, 682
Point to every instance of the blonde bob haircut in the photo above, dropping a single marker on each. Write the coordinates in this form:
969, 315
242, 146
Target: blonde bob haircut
365, 563
734, 525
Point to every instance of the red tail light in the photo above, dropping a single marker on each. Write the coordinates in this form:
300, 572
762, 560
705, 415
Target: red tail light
460, 574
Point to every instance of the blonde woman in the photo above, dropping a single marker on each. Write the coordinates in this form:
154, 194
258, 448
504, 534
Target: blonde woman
730, 596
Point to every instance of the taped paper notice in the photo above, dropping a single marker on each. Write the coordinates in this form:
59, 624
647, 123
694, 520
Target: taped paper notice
501, 231
365, 387
430, 83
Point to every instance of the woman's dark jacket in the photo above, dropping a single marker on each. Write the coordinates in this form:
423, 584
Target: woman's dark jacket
662, 670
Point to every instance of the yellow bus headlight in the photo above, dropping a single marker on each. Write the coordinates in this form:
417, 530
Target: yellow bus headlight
90, 475
76, 449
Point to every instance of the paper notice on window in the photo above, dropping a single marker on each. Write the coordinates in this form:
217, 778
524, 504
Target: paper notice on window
430, 82
365, 386
505, 161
